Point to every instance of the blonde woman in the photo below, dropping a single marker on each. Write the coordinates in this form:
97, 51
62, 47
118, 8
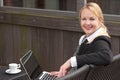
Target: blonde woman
94, 46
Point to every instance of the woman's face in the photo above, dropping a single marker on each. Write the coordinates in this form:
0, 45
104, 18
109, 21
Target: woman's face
89, 22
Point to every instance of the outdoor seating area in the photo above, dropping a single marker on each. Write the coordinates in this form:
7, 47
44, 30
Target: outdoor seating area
52, 32
91, 72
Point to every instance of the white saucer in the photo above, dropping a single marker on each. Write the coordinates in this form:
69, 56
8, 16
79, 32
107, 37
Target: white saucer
9, 72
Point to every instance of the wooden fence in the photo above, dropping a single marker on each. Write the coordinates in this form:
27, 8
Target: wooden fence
52, 35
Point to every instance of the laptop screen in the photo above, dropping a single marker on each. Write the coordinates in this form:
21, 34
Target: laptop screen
31, 65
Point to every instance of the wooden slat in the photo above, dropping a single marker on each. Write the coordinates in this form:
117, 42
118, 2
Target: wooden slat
116, 45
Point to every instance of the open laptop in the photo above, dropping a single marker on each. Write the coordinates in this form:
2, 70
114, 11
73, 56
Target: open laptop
33, 69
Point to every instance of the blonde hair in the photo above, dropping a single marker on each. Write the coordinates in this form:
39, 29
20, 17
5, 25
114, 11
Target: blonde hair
95, 8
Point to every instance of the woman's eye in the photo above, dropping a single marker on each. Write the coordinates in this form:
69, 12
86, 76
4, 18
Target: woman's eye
92, 19
83, 19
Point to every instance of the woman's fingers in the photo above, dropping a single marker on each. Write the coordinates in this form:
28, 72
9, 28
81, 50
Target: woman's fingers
54, 73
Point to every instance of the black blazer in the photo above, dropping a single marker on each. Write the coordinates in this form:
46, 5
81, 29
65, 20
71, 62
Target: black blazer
98, 52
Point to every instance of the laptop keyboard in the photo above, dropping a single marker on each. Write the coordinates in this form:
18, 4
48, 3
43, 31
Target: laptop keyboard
47, 76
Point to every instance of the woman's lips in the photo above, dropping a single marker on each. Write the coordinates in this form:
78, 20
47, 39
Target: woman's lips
88, 27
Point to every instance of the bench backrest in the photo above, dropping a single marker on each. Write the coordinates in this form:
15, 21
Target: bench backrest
79, 74
107, 72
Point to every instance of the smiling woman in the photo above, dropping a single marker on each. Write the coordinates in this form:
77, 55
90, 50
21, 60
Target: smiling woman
89, 22
94, 45
91, 19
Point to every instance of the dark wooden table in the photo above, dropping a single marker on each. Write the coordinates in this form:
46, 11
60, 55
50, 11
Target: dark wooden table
4, 76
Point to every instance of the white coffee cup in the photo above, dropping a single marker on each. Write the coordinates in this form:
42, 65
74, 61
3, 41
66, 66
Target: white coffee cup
13, 67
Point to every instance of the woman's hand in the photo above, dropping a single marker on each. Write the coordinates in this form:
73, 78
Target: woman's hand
63, 69
54, 73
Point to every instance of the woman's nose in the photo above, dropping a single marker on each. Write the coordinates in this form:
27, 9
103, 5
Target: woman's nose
87, 22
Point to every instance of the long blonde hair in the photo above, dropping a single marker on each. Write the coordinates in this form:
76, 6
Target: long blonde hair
95, 8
